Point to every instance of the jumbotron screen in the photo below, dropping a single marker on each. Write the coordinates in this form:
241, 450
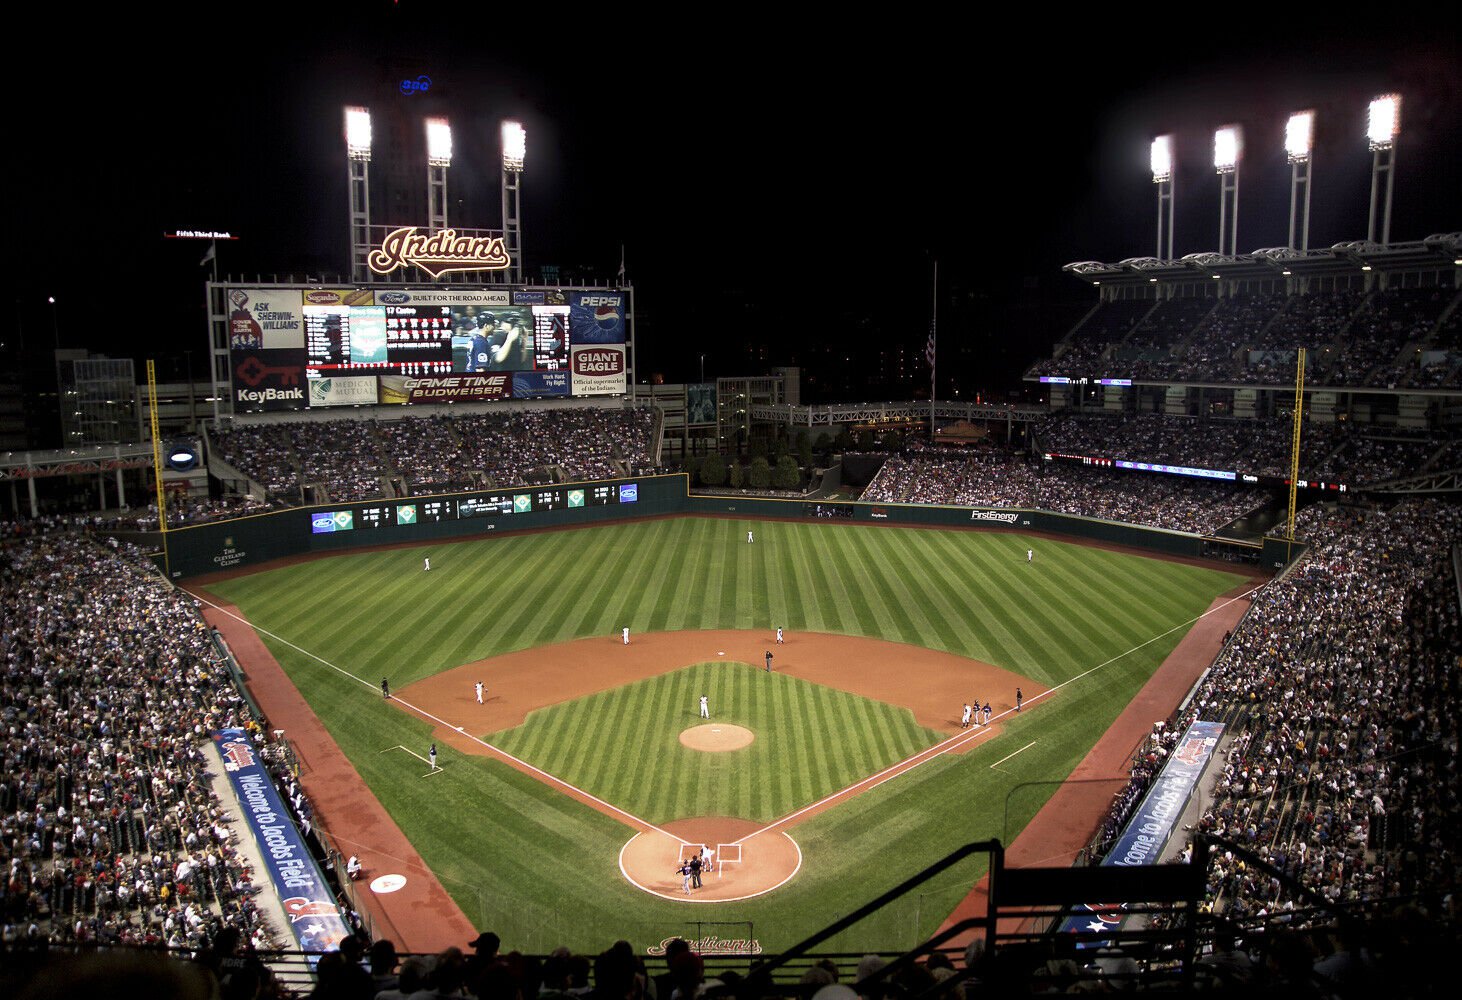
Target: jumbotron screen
292, 348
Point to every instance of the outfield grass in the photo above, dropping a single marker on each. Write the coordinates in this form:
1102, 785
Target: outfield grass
542, 869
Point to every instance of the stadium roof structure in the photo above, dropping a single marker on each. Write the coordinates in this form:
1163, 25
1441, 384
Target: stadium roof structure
1350, 257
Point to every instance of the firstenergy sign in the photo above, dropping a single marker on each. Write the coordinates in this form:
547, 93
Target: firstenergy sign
438, 253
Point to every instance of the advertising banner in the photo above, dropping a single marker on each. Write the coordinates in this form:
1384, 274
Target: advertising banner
265, 319
597, 317
338, 297
359, 390
314, 919
268, 380
537, 385
599, 370
455, 298
1146, 834
700, 403
446, 388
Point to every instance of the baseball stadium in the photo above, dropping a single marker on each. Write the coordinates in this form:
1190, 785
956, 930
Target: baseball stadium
449, 654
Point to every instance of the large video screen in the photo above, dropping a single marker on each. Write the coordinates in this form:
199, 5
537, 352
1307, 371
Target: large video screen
368, 346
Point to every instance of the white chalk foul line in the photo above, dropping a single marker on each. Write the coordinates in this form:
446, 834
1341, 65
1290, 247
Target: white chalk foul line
543, 775
1023, 749
970, 735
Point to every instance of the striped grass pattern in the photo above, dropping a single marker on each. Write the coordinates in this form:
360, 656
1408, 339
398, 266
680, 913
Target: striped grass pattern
542, 869
623, 745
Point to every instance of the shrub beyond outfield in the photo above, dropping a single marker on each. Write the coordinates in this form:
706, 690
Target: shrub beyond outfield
542, 869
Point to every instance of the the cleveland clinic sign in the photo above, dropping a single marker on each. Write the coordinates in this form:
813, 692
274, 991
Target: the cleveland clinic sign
438, 253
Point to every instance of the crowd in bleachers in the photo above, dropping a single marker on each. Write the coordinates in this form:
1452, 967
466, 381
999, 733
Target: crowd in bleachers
1000, 481
108, 829
1339, 688
364, 459
1330, 452
1404, 337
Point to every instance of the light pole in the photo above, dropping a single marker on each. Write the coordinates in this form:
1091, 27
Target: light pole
1162, 176
1298, 142
1383, 124
438, 159
1228, 144
515, 151
357, 162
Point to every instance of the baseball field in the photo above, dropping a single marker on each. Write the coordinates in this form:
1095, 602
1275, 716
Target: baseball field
564, 800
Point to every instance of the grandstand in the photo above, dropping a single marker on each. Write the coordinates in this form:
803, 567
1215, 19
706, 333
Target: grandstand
1335, 798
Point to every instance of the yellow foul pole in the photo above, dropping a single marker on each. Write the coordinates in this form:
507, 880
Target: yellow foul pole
1294, 448
162, 504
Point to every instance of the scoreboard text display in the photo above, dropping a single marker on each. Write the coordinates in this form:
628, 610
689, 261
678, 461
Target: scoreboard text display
403, 517
427, 345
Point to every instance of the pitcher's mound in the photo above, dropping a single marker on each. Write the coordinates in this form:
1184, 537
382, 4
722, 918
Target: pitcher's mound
717, 736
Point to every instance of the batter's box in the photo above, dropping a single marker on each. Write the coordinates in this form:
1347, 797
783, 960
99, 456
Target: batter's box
727, 854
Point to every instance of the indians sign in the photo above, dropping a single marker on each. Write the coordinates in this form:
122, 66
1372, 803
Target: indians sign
439, 252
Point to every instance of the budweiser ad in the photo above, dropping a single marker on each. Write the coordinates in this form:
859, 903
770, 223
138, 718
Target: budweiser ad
445, 388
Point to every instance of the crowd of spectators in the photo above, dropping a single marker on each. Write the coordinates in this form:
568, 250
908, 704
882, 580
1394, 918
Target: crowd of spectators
346, 460
1353, 339
1329, 452
111, 683
1339, 689
1001, 481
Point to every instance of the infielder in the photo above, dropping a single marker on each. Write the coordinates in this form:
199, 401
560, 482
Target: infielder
779, 635
479, 692
705, 708
964, 722
625, 635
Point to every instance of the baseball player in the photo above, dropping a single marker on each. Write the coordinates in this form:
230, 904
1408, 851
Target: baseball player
986, 710
779, 635
769, 661
1018, 699
426, 565
750, 537
705, 708
624, 634
385, 688
964, 721
432, 753
1030, 554
479, 692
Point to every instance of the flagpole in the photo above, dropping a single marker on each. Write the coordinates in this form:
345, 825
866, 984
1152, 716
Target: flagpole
933, 348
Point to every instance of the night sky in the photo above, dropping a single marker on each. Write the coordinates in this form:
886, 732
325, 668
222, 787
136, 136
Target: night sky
780, 185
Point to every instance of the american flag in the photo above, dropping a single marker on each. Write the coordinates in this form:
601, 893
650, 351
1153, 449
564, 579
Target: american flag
929, 347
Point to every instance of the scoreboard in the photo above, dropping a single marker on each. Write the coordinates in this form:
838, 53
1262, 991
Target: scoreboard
377, 340
404, 516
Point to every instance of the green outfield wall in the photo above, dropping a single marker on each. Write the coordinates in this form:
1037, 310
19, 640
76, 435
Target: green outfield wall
258, 539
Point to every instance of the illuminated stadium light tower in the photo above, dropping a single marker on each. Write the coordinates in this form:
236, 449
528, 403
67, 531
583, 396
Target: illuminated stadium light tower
1382, 126
1162, 176
515, 148
1299, 136
358, 159
1228, 144
438, 159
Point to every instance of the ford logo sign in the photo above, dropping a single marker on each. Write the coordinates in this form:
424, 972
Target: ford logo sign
392, 298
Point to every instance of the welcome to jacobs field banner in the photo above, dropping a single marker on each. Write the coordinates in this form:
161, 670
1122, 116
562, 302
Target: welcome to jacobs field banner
309, 903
